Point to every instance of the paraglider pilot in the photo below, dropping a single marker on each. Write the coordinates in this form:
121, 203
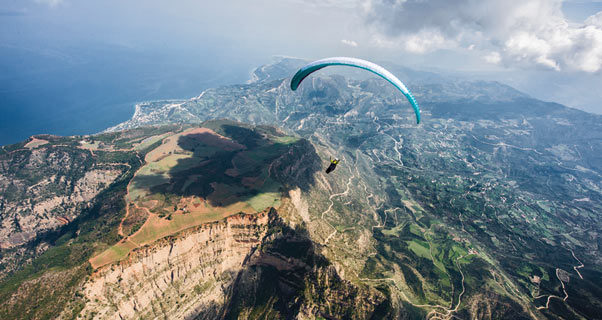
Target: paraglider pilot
333, 165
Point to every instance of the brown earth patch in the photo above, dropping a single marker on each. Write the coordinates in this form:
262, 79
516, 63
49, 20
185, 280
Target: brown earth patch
35, 142
213, 139
203, 135
150, 204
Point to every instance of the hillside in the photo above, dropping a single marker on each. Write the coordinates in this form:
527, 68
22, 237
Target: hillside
487, 209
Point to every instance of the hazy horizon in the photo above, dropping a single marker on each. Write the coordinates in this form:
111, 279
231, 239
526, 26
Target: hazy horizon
78, 67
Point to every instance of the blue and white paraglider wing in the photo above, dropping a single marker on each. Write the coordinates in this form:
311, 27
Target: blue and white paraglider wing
358, 63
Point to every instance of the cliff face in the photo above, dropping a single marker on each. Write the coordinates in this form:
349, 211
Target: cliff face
179, 276
289, 278
245, 266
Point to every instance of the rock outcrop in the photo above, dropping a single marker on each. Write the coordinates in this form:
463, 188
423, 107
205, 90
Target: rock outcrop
247, 264
43, 189
179, 276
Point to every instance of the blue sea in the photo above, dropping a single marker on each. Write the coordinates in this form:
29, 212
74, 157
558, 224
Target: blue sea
66, 90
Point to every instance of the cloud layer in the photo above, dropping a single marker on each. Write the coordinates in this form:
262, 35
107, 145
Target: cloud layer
350, 43
509, 32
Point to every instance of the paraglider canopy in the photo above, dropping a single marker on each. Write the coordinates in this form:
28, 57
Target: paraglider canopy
358, 63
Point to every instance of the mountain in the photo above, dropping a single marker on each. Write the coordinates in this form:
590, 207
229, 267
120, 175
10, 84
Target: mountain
490, 208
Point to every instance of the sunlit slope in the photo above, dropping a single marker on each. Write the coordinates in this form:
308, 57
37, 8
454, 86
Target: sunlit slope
198, 176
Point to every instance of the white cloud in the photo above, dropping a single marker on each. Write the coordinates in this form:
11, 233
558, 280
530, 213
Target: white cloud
493, 57
511, 32
350, 43
425, 41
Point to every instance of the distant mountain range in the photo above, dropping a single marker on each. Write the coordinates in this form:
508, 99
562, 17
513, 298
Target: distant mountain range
490, 208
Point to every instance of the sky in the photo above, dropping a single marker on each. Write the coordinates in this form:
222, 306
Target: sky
96, 58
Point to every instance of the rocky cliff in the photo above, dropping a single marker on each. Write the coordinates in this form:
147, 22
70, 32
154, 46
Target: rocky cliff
248, 265
179, 276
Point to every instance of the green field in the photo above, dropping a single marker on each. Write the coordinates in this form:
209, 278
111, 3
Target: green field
420, 248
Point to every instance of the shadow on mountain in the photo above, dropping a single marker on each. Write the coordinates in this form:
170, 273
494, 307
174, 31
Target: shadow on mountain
250, 163
285, 271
